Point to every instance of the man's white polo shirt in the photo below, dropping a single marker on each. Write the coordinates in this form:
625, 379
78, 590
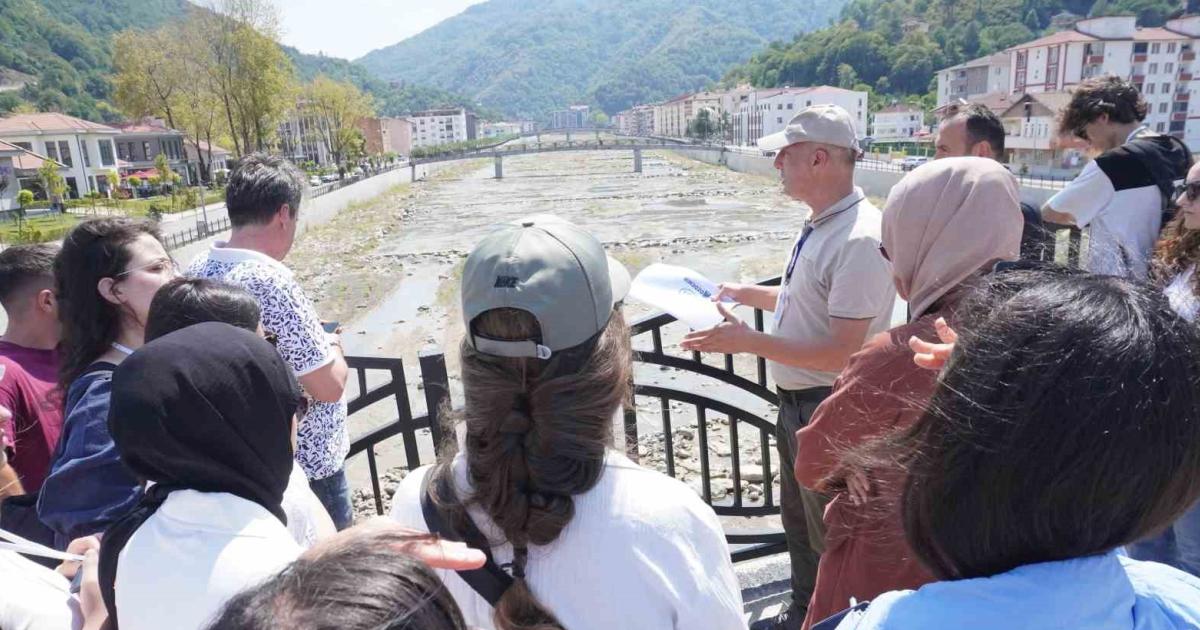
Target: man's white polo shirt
840, 273
288, 314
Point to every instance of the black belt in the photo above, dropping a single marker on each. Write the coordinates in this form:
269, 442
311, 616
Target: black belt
807, 395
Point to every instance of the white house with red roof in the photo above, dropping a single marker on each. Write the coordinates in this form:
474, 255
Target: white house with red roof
84, 150
18, 169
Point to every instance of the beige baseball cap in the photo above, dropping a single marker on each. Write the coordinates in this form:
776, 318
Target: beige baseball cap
827, 124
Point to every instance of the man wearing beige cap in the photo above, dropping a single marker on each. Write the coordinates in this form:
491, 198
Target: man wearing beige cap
836, 291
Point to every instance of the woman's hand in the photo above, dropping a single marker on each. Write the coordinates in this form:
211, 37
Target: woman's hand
933, 356
858, 486
79, 546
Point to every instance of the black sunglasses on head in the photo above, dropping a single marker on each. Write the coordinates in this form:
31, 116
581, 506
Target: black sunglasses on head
1191, 189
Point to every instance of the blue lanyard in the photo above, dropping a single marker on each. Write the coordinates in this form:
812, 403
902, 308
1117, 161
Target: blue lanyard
808, 230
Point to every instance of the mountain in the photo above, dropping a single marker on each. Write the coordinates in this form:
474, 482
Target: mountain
391, 99
526, 58
64, 45
895, 46
60, 52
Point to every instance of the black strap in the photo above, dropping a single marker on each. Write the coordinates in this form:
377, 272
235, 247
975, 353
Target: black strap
490, 581
1148, 152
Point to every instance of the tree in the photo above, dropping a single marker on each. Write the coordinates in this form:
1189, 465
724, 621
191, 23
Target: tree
703, 125
847, 77
24, 199
250, 75
53, 182
165, 174
337, 106
114, 181
599, 119
150, 73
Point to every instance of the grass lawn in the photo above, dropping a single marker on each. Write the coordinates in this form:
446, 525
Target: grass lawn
37, 229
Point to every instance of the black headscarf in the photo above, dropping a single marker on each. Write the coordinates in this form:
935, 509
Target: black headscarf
205, 408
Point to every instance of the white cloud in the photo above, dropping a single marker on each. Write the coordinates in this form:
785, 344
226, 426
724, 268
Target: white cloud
352, 28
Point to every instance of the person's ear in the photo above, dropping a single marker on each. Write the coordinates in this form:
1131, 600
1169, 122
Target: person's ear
107, 287
982, 149
283, 215
46, 302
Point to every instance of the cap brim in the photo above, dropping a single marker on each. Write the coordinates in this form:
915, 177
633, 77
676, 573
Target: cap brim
773, 142
618, 277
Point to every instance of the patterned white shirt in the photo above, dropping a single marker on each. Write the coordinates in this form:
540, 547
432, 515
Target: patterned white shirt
288, 314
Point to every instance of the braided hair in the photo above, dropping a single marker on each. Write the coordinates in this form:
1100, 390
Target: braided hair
527, 463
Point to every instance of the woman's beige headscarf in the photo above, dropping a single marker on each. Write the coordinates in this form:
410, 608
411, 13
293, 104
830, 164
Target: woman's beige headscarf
947, 220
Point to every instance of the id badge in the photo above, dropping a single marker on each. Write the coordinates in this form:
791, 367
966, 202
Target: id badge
780, 304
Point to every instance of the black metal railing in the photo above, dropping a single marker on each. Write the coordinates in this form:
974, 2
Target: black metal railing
747, 430
202, 231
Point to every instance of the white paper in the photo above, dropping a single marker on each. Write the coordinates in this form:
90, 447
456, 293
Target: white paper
685, 294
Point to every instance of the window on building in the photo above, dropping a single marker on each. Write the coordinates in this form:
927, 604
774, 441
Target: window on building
1139, 48
87, 156
1155, 48
1162, 108
1054, 55
808, 103
106, 153
28, 146
52, 151
1169, 68
1153, 68
1171, 47
1160, 127
146, 151
1150, 88
791, 106
1176, 125
1179, 107
64, 153
1166, 88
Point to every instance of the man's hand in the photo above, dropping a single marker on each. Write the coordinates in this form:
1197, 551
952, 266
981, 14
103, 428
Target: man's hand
91, 602
933, 356
728, 337
730, 290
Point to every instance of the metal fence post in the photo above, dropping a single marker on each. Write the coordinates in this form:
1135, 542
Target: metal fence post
437, 390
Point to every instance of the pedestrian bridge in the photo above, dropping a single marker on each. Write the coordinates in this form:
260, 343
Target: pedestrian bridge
514, 148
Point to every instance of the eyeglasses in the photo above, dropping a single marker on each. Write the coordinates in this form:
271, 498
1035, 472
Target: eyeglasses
158, 265
1191, 189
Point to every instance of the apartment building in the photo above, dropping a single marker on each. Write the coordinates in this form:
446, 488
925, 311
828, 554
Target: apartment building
973, 79
442, 126
764, 112
85, 151
897, 122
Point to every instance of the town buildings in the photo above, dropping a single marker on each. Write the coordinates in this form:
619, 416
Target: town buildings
764, 112
574, 117
18, 169
897, 122
973, 79
442, 126
142, 141
85, 151
498, 129
1031, 135
303, 137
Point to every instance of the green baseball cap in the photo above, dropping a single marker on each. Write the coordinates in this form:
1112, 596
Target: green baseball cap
549, 268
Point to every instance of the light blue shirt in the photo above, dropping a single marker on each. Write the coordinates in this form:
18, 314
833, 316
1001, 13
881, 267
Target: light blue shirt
1107, 592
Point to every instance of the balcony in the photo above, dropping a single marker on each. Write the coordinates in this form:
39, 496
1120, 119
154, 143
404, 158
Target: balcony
1185, 76
1182, 97
1139, 58
1138, 78
1095, 59
1188, 55
1178, 116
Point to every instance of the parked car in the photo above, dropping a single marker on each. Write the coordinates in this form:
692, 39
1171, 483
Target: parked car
911, 162
332, 177
314, 181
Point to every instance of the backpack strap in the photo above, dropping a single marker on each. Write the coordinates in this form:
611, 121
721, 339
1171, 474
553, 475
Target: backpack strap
1147, 152
490, 581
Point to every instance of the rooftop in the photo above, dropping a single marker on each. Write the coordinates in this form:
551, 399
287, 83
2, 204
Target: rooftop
49, 123
1061, 37
900, 108
1157, 34
24, 159
994, 59
147, 125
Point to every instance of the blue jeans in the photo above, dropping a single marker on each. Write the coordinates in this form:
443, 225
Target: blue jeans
1178, 546
334, 493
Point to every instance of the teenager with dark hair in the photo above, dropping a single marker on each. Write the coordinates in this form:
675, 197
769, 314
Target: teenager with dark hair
205, 415
29, 366
586, 538
1121, 197
931, 234
1064, 425
185, 302
105, 276
358, 581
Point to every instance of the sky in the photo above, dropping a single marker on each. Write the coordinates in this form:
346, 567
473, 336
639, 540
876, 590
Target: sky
352, 28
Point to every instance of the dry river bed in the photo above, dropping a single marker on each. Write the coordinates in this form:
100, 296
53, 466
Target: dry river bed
389, 270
